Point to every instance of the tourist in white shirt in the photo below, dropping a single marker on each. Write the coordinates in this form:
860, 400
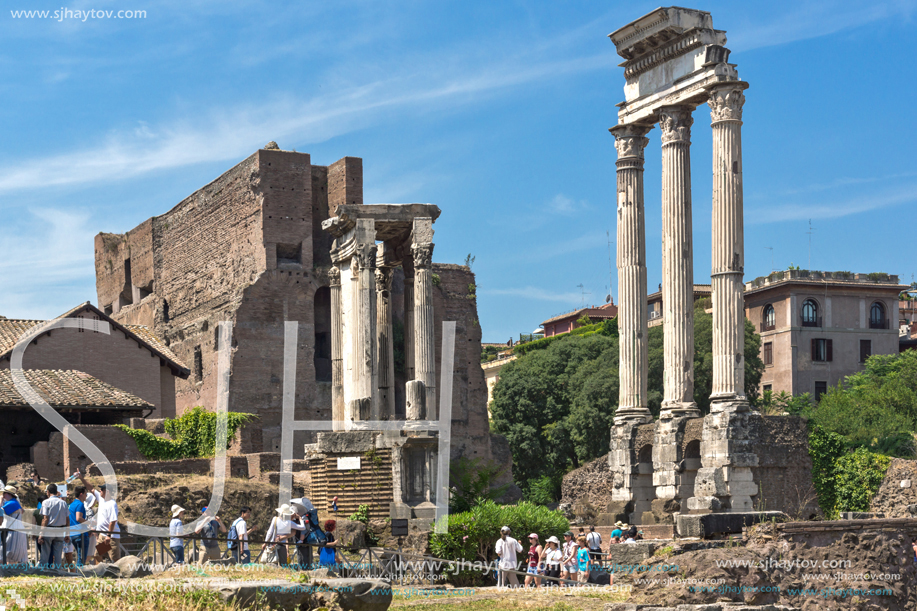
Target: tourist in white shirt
240, 551
506, 550
176, 534
106, 519
280, 531
551, 558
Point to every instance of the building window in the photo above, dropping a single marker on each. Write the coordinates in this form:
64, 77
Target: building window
810, 316
198, 364
768, 388
865, 349
877, 318
768, 353
820, 389
770, 318
289, 254
822, 350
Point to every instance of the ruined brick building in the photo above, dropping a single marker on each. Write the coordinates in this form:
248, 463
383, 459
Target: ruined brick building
249, 248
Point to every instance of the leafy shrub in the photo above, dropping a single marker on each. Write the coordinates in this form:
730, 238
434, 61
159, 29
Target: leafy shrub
193, 435
858, 477
825, 449
472, 535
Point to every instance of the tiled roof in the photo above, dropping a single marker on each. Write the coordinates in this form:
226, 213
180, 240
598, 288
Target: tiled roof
147, 335
597, 313
12, 330
67, 389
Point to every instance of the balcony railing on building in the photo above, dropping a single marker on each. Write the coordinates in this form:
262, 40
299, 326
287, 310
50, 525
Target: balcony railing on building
767, 327
812, 322
878, 324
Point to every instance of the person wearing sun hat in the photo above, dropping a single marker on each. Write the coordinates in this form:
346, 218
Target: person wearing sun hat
177, 533
280, 531
15, 542
617, 533
550, 558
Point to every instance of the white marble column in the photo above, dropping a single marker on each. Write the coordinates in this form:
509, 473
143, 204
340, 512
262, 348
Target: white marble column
363, 265
424, 331
677, 263
728, 258
408, 267
337, 359
384, 345
630, 140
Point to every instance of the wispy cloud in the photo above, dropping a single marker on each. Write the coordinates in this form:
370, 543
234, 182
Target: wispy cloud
565, 206
532, 292
51, 251
832, 209
815, 19
231, 133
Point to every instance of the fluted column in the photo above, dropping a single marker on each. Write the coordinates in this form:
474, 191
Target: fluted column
677, 263
728, 258
424, 331
337, 358
363, 265
408, 267
630, 140
384, 345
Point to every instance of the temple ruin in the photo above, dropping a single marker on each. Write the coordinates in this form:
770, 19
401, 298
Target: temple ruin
674, 62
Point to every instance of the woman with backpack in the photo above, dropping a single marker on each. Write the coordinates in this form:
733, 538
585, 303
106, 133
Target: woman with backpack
280, 531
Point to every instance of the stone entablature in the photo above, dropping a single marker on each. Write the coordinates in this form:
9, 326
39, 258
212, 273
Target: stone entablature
803, 275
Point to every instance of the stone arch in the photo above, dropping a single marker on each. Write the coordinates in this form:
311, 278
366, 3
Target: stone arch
644, 490
692, 462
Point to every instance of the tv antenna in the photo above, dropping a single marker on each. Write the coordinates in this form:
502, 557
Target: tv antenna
584, 292
811, 229
771, 248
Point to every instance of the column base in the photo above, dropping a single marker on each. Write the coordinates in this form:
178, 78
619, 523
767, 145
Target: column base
633, 415
679, 410
731, 403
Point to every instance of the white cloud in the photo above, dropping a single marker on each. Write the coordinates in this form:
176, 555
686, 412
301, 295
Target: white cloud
832, 209
532, 292
231, 133
47, 261
815, 19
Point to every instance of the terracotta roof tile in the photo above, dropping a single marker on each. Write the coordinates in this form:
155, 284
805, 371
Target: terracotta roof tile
12, 330
67, 389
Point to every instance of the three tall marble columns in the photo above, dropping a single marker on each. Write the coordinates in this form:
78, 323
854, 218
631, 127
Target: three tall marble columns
725, 102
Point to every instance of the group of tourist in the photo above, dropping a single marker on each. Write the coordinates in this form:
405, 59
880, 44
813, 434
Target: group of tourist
557, 563
92, 533
91, 517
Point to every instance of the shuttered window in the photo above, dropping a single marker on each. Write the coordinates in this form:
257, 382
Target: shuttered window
822, 350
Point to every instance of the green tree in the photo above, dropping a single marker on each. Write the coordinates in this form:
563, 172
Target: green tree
876, 407
556, 402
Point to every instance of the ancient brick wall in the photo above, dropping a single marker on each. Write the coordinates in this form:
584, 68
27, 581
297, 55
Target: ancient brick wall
784, 471
454, 298
898, 490
115, 444
370, 485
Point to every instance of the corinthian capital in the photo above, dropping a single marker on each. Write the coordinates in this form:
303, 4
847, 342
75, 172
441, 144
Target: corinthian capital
423, 255
364, 257
726, 103
675, 123
334, 276
384, 279
630, 140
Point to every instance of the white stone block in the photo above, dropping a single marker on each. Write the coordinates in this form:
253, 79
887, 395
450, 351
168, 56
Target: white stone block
905, 483
742, 489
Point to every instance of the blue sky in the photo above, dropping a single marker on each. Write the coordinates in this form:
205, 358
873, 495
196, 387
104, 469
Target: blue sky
495, 111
